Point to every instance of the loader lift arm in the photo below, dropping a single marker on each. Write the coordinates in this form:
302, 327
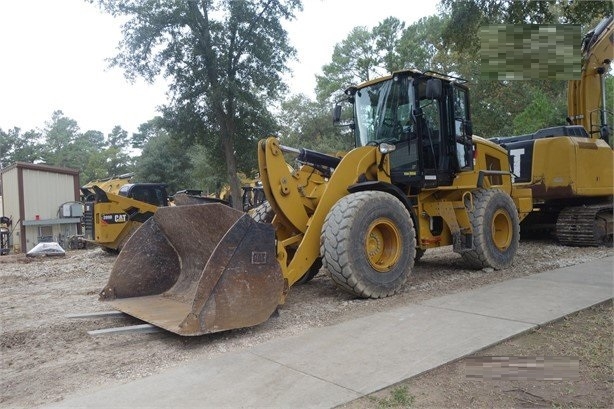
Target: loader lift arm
200, 269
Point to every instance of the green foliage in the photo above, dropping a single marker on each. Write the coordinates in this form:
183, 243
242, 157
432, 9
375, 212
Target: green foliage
308, 124
146, 131
61, 140
421, 47
62, 144
399, 397
16, 146
367, 53
354, 60
466, 17
387, 37
206, 178
164, 159
224, 59
542, 112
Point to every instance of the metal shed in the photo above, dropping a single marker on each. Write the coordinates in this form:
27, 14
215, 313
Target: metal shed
43, 203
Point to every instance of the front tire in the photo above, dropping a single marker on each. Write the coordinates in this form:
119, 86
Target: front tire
368, 244
496, 230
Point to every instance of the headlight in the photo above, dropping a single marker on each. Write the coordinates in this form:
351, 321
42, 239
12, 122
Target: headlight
386, 148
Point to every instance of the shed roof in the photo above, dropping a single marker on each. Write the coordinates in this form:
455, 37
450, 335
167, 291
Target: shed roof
41, 167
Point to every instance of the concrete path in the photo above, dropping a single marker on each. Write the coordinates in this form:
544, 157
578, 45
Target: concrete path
332, 365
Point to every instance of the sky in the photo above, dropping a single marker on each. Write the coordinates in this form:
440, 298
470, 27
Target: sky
54, 57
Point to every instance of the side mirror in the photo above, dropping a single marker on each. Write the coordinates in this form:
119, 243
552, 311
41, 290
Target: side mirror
433, 88
337, 114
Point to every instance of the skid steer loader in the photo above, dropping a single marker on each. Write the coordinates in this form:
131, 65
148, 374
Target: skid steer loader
417, 179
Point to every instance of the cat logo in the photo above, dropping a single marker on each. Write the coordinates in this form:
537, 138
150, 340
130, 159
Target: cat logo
114, 218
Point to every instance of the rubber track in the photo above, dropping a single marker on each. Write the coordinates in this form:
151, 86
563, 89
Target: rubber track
575, 226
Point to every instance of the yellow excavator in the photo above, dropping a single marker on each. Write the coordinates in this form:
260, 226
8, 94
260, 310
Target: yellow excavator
570, 168
417, 179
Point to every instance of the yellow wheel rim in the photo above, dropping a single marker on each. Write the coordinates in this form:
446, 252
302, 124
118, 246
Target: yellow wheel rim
383, 245
502, 229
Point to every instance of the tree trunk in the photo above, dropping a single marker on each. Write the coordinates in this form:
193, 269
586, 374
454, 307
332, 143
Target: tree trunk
228, 146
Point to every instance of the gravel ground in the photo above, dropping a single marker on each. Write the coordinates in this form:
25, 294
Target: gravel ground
46, 356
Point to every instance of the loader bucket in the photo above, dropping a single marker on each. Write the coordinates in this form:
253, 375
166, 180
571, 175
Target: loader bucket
198, 269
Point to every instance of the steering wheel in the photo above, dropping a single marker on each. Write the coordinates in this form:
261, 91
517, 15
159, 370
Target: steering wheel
389, 122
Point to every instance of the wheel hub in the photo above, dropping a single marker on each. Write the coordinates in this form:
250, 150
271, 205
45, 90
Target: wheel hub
502, 229
383, 245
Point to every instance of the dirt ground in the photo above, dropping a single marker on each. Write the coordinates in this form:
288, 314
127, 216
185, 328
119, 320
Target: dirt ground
584, 338
46, 356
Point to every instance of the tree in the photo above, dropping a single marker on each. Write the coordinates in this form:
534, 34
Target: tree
118, 160
354, 60
387, 36
146, 131
421, 46
225, 59
60, 137
507, 107
308, 124
165, 160
388, 47
118, 138
16, 146
542, 112
466, 17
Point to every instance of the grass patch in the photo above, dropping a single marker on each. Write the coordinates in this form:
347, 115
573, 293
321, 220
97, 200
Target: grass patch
399, 398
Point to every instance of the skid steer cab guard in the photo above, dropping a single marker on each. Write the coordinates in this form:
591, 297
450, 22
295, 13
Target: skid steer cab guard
198, 269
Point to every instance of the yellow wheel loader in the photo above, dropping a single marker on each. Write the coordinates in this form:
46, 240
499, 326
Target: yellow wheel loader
417, 179
570, 168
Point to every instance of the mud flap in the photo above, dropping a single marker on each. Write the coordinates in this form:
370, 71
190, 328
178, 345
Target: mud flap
198, 269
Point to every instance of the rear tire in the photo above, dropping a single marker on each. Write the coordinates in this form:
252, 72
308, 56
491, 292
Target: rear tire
312, 272
368, 244
496, 230
263, 213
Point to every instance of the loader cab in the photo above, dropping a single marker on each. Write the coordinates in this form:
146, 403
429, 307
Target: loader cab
152, 193
421, 120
